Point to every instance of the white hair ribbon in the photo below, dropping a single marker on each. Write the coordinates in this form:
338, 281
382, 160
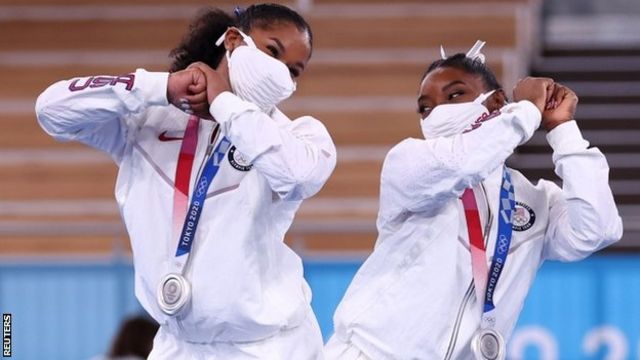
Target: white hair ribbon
473, 53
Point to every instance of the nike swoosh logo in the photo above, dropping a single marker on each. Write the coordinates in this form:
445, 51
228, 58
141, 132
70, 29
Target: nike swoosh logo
163, 137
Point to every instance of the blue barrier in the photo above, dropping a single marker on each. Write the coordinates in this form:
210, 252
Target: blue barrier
584, 310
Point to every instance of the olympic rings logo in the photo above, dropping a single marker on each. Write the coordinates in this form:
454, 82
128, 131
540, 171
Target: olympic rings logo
502, 244
202, 187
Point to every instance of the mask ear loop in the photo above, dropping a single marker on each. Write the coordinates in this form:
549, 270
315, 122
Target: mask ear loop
247, 39
483, 97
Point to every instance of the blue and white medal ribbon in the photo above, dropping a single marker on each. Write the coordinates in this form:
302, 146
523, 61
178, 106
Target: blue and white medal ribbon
174, 291
502, 245
487, 343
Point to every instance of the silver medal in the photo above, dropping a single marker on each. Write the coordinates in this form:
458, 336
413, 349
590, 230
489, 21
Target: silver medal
488, 344
174, 293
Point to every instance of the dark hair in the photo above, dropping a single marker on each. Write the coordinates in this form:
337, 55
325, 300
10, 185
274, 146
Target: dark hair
460, 61
135, 337
211, 23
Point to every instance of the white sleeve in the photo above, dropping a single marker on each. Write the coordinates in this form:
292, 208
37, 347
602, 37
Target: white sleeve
583, 215
92, 109
421, 175
296, 158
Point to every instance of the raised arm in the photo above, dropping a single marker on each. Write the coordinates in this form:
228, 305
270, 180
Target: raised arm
297, 157
93, 110
583, 215
420, 175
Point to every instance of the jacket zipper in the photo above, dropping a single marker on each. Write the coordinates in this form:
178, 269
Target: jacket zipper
456, 328
213, 137
471, 288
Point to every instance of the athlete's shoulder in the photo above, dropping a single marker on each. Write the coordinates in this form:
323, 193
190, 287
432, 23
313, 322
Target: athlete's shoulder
306, 124
410, 147
521, 180
541, 190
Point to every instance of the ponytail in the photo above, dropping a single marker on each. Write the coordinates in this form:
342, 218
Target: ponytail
198, 44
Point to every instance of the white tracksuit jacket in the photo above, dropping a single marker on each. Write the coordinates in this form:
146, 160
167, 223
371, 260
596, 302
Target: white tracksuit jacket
413, 298
247, 284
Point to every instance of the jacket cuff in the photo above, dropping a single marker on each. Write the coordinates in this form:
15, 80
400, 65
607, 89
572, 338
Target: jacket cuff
153, 85
567, 138
227, 105
530, 119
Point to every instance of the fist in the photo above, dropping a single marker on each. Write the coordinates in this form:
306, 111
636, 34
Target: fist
216, 83
536, 90
560, 108
187, 90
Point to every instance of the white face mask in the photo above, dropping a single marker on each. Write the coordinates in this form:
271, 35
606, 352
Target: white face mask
452, 119
257, 77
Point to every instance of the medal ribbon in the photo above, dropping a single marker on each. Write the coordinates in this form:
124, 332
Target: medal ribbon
183, 175
190, 215
486, 280
199, 196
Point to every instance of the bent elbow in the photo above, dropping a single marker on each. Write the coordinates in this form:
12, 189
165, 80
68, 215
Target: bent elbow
293, 189
41, 108
588, 241
613, 232
297, 185
609, 232
45, 111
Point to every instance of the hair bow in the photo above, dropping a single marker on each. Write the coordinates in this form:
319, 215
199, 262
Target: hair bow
473, 53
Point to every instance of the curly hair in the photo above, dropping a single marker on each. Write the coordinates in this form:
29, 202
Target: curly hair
211, 23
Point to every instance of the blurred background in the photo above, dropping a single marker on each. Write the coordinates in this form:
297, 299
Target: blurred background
65, 266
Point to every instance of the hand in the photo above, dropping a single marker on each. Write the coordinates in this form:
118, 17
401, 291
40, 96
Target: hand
216, 83
536, 90
560, 108
187, 90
